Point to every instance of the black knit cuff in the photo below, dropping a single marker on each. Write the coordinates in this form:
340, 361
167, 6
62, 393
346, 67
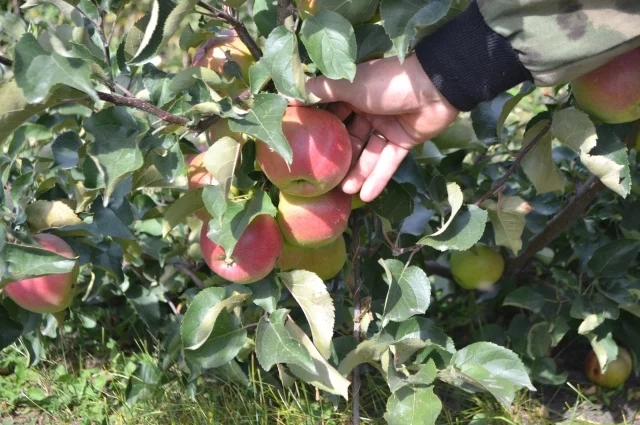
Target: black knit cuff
468, 62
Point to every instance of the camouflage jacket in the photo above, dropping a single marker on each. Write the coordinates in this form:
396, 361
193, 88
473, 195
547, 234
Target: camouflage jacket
558, 40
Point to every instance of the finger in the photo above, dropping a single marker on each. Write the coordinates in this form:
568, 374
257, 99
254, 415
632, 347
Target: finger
325, 90
367, 162
341, 110
388, 162
392, 129
359, 127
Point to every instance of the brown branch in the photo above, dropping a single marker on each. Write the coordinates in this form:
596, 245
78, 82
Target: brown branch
6, 61
355, 251
558, 224
136, 103
503, 180
239, 26
285, 9
435, 268
187, 271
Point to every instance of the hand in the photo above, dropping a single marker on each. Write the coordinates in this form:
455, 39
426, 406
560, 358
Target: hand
396, 107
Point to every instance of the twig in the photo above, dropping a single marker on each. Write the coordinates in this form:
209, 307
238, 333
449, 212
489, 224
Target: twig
186, 270
435, 268
16, 8
558, 224
105, 42
136, 103
6, 61
503, 180
285, 9
355, 383
239, 26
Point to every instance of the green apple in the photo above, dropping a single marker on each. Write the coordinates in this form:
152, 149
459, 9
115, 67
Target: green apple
617, 372
476, 270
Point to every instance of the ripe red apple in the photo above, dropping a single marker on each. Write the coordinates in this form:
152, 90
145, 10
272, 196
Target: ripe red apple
611, 93
46, 294
253, 257
321, 153
325, 261
212, 55
617, 372
313, 222
199, 177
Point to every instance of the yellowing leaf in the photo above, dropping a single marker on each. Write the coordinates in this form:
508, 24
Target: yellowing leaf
538, 164
507, 218
314, 299
42, 215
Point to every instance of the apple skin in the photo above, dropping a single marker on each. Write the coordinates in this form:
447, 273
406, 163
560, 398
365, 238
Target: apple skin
46, 294
617, 372
212, 55
477, 271
253, 257
307, 8
326, 261
321, 153
313, 222
611, 93
199, 177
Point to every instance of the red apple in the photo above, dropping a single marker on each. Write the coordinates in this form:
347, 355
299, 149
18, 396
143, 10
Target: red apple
46, 294
326, 261
199, 177
321, 153
313, 222
617, 372
611, 93
253, 257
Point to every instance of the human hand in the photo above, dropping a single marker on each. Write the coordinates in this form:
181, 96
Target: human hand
396, 107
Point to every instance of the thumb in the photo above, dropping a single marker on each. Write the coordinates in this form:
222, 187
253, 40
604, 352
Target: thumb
324, 90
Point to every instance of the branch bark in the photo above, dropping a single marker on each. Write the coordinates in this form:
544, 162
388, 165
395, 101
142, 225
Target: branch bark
136, 103
285, 9
6, 61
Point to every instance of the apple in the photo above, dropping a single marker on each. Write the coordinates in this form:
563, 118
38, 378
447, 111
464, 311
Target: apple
46, 294
477, 270
611, 93
325, 261
199, 177
253, 257
321, 153
313, 222
307, 8
213, 55
617, 372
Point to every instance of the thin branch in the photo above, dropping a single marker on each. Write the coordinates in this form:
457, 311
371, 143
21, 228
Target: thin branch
105, 41
355, 251
136, 103
285, 9
239, 26
503, 180
187, 271
6, 61
435, 268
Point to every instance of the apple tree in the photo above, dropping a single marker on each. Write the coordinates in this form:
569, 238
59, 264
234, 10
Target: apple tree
154, 143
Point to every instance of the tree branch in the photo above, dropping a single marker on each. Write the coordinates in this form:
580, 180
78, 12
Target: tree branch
433, 267
239, 26
285, 9
503, 180
136, 103
6, 61
355, 251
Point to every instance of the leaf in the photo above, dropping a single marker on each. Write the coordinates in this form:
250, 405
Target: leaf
539, 340
220, 161
355, 11
31, 59
575, 129
23, 262
395, 203
311, 294
414, 406
115, 146
264, 122
203, 312
526, 89
65, 8
613, 259
525, 297
266, 294
282, 59
11, 329
259, 76
325, 377
409, 291
188, 77
182, 208
227, 229
331, 44
265, 14
459, 135
593, 310
274, 344
508, 218
153, 37
462, 232
42, 215
605, 348
182, 9
538, 163
144, 381
65, 150
403, 19
372, 41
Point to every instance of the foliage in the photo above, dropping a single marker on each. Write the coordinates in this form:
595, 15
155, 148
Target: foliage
97, 118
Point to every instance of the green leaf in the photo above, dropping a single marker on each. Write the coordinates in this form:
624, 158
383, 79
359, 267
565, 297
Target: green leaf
220, 161
593, 310
188, 77
182, 9
575, 129
23, 262
144, 381
507, 217
462, 232
539, 340
525, 297
259, 76
264, 122
182, 208
282, 59
42, 215
402, 20
215, 200
538, 164
153, 34
325, 377
409, 291
331, 44
32, 59
526, 89
115, 147
65, 8
414, 406
65, 150
614, 258
395, 203
274, 344
203, 312
355, 11
227, 229
11, 329
459, 135
604, 346
312, 296
266, 294
372, 41
265, 14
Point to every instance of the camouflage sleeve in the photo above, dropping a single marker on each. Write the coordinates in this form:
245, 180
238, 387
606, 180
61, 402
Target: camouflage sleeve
558, 40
